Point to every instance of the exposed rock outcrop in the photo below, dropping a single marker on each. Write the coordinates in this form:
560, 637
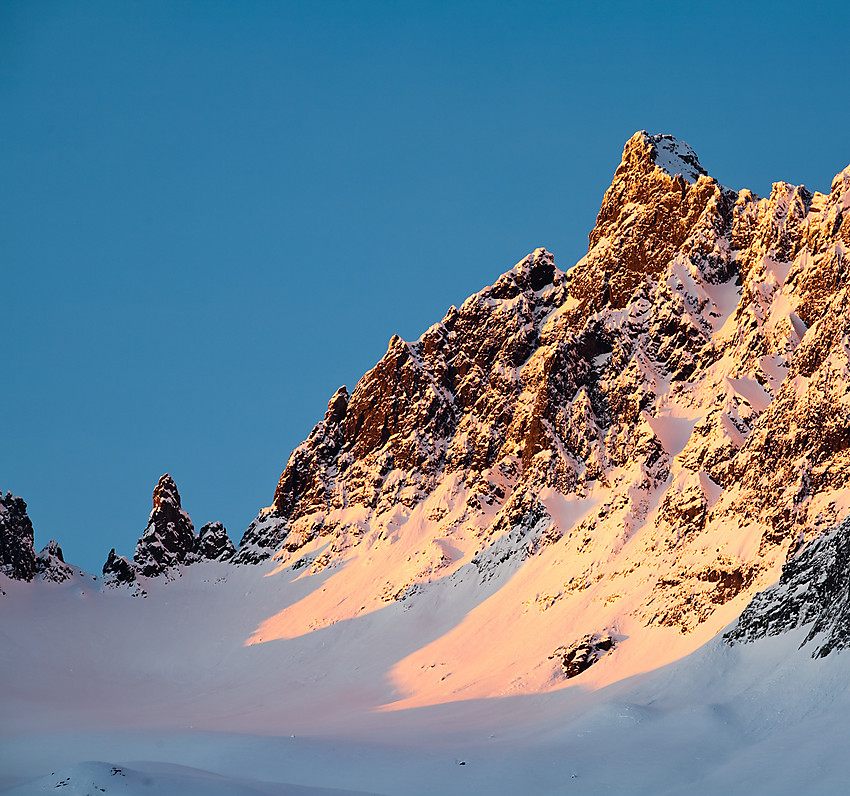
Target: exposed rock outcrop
660, 196
814, 591
213, 543
50, 564
583, 653
169, 538
118, 570
17, 557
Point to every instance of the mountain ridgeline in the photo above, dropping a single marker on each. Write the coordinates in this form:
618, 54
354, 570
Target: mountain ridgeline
668, 421
686, 381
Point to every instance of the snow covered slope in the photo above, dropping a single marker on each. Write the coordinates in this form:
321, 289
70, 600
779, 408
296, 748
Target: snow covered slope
503, 561
156, 687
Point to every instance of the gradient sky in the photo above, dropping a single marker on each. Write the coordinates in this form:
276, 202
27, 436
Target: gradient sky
212, 214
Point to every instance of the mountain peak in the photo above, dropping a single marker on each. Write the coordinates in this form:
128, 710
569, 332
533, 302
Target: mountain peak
169, 538
636, 422
536, 271
50, 563
665, 152
575, 477
661, 201
168, 541
166, 492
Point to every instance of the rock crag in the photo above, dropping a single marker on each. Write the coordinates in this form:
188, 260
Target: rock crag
168, 541
666, 421
17, 557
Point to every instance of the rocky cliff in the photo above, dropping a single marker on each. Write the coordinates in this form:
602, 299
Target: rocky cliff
17, 557
169, 538
668, 420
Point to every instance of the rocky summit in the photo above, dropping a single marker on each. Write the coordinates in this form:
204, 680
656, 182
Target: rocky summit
668, 420
18, 559
50, 563
170, 536
168, 541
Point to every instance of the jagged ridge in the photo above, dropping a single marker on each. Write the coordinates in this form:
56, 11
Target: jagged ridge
685, 382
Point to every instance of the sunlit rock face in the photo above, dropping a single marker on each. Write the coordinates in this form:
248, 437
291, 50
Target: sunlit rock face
653, 432
17, 557
659, 198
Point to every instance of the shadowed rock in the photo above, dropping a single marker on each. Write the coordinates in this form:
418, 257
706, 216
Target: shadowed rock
813, 591
169, 538
118, 570
17, 557
583, 653
50, 564
214, 544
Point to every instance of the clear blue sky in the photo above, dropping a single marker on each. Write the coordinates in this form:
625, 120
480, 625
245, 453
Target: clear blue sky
212, 214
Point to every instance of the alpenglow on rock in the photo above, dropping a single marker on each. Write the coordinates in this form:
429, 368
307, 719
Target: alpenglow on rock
664, 421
